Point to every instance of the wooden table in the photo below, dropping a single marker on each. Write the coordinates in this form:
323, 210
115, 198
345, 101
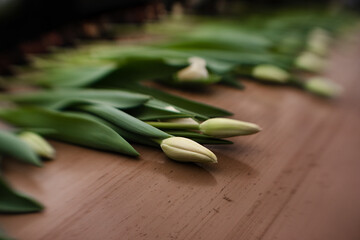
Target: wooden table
297, 179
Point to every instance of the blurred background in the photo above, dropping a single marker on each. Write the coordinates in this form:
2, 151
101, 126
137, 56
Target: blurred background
34, 26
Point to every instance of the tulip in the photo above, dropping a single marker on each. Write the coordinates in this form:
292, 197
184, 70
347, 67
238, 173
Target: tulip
224, 127
186, 150
196, 70
323, 87
38, 144
270, 73
310, 62
319, 41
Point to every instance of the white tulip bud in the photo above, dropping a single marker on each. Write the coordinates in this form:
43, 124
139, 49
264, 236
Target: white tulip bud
323, 87
310, 62
319, 41
270, 73
196, 70
186, 150
224, 127
38, 144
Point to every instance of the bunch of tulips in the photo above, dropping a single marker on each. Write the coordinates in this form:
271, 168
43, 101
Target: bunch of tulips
94, 96
109, 120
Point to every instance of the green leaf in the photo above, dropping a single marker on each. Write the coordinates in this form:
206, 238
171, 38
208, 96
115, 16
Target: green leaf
74, 76
201, 110
56, 99
221, 39
69, 127
161, 104
133, 54
175, 125
198, 137
195, 83
123, 120
232, 82
161, 61
215, 33
187, 43
15, 202
240, 58
132, 137
12, 146
140, 68
148, 112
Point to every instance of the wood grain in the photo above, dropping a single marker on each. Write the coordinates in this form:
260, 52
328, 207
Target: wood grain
297, 179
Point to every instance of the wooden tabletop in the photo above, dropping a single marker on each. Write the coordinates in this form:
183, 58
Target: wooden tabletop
297, 179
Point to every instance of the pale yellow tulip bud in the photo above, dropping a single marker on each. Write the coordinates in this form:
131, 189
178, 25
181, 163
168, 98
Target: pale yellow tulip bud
270, 73
196, 70
186, 150
310, 62
38, 144
224, 127
319, 41
323, 87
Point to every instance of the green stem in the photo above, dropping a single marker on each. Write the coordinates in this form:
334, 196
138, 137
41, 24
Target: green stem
297, 82
171, 125
159, 141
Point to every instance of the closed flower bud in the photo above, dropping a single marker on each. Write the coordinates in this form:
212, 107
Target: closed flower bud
38, 144
196, 70
309, 61
270, 73
323, 87
224, 127
319, 41
186, 150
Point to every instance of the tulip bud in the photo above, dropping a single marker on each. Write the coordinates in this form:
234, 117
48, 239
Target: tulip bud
38, 144
224, 127
323, 87
309, 61
319, 41
270, 73
196, 70
186, 150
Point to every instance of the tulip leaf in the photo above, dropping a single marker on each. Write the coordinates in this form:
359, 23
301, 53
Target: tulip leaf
60, 98
220, 34
69, 127
123, 120
240, 58
12, 201
147, 112
130, 136
194, 83
198, 137
161, 104
201, 110
232, 81
156, 62
12, 146
75, 75
139, 69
